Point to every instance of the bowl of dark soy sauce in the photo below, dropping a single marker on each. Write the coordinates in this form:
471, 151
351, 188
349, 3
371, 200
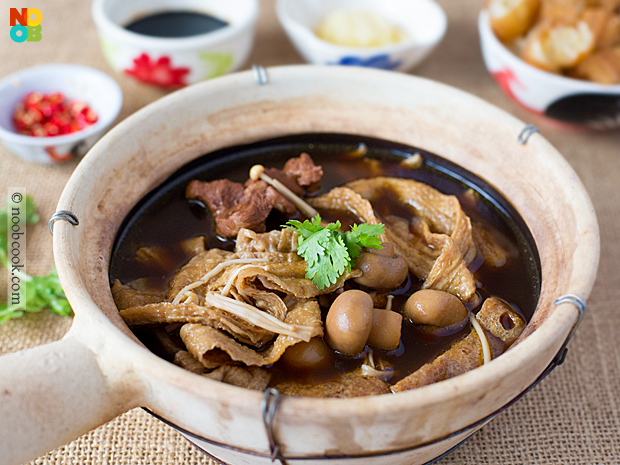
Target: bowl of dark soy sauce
176, 42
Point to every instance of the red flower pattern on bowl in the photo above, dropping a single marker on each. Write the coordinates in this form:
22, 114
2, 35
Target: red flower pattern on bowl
157, 72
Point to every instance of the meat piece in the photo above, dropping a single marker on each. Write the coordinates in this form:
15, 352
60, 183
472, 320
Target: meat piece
286, 180
353, 385
297, 174
219, 195
234, 206
466, 354
258, 188
303, 170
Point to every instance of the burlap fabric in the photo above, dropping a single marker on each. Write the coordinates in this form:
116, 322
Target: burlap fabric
573, 417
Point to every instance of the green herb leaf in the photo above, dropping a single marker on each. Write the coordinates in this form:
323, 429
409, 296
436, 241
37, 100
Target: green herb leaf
328, 252
36, 292
368, 234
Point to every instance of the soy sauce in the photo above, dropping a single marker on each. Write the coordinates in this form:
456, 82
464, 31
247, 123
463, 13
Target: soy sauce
176, 24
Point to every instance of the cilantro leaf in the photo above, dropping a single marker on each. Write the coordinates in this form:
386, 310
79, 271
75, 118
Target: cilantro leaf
331, 263
329, 252
36, 292
368, 233
352, 243
368, 230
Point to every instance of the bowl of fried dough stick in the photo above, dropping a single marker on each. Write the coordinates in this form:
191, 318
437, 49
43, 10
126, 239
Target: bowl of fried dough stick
557, 58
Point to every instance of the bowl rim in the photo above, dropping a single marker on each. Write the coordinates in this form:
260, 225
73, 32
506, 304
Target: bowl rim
290, 24
106, 25
152, 368
487, 34
111, 88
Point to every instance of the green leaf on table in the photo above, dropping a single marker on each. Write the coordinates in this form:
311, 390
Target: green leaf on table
36, 292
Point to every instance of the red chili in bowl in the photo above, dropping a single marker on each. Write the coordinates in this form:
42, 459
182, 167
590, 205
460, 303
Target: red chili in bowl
45, 115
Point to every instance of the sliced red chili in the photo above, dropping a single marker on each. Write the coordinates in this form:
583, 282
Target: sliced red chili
46, 115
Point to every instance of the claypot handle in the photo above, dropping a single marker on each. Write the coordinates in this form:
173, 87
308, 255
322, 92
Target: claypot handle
51, 395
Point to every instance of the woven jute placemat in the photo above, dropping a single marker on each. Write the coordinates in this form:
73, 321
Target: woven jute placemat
572, 417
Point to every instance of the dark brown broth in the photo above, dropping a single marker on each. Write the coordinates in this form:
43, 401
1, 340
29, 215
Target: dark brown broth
164, 218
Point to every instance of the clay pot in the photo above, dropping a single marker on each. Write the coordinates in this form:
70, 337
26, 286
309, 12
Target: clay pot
51, 394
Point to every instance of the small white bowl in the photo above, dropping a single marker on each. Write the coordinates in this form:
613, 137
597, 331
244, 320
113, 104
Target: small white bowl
423, 21
561, 98
76, 82
175, 62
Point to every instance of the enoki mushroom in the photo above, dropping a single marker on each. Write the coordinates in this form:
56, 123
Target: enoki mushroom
214, 272
369, 368
257, 317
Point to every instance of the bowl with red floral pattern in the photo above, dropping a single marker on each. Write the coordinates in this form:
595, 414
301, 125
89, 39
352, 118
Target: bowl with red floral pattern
174, 43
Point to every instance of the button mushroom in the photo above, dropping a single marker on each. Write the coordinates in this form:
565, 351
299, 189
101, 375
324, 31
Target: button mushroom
348, 322
436, 308
385, 329
382, 268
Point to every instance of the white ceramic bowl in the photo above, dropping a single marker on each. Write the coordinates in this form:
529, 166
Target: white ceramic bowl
422, 20
175, 62
564, 99
51, 394
77, 83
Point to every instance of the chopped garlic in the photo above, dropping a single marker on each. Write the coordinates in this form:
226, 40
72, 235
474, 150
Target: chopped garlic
359, 28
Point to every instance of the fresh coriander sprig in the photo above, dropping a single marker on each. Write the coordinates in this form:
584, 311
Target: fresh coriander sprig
329, 252
38, 292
